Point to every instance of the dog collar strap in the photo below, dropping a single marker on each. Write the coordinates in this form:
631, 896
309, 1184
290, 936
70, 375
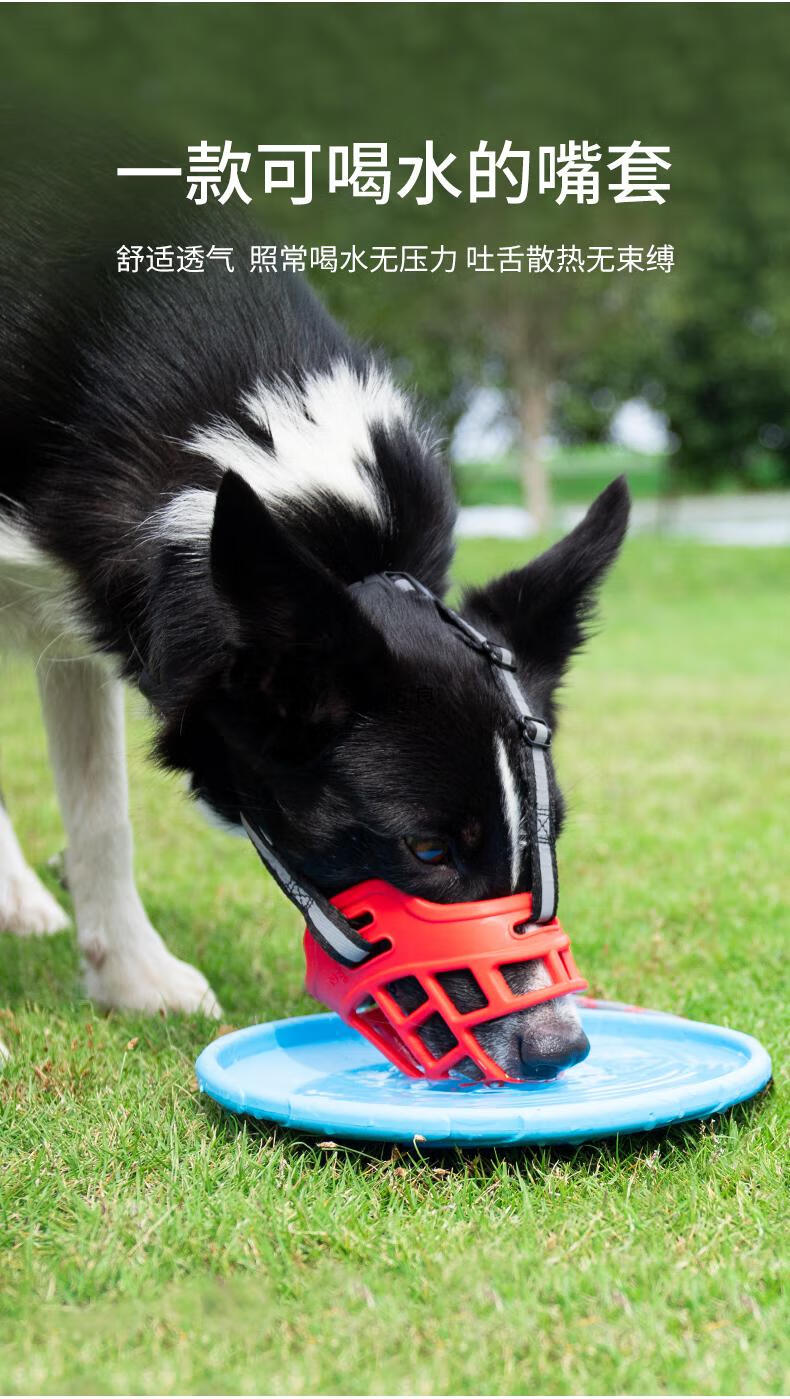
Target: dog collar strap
329, 928
536, 736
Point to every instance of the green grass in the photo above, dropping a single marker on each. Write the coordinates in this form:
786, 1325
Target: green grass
152, 1244
577, 474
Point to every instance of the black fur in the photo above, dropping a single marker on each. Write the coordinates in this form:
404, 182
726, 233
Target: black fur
344, 723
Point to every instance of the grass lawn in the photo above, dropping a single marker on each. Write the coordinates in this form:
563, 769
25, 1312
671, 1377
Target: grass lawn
151, 1244
577, 475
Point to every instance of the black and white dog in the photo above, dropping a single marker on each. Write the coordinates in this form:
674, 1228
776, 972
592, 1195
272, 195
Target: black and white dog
194, 472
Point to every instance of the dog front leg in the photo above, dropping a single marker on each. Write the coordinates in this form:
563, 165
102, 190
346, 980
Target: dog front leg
126, 962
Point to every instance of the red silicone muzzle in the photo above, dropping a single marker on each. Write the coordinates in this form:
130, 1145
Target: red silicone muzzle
423, 940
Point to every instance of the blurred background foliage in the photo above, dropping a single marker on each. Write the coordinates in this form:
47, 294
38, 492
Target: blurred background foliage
706, 346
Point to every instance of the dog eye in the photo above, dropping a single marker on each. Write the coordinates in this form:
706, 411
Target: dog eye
430, 850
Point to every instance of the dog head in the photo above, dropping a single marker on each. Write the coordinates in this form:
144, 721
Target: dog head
360, 731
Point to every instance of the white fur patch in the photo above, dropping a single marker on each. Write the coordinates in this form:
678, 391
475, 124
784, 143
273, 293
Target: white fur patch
16, 549
186, 519
511, 807
38, 604
216, 821
322, 435
321, 444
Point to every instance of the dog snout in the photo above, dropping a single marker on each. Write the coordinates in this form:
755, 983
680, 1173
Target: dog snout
544, 1053
537, 1043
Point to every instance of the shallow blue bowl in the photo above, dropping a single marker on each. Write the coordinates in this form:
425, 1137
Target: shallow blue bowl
644, 1070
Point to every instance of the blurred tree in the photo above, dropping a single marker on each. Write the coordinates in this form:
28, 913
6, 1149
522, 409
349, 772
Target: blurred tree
545, 340
710, 343
724, 368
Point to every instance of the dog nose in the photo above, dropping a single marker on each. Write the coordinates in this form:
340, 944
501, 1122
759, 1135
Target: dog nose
545, 1055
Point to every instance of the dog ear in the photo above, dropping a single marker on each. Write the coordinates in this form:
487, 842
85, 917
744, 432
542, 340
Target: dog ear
301, 639
543, 609
250, 553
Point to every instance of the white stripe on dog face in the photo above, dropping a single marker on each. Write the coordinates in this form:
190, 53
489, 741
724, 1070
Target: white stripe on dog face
511, 806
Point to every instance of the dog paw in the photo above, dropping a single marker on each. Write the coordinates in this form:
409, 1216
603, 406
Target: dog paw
27, 908
140, 974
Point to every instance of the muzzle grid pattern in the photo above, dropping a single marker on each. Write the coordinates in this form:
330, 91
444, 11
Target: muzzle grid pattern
427, 943
551, 946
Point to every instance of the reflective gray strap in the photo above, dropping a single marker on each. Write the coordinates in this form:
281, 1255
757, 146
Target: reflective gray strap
536, 737
327, 925
544, 859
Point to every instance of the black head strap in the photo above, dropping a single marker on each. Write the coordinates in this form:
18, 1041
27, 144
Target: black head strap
327, 925
536, 738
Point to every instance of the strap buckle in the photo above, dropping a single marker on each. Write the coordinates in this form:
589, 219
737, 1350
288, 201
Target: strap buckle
498, 655
535, 732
